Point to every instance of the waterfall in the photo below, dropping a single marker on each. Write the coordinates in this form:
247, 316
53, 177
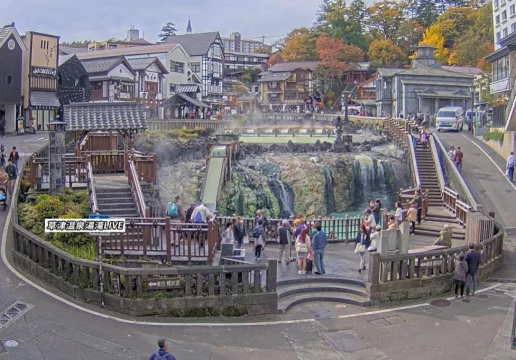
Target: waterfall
329, 197
373, 180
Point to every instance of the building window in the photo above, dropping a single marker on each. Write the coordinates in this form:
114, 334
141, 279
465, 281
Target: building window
504, 32
196, 67
498, 36
513, 27
504, 15
172, 88
512, 10
496, 4
177, 67
44, 44
497, 19
501, 68
112, 46
102, 47
9, 80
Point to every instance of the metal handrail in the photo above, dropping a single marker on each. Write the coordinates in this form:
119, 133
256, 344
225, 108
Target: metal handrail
91, 188
135, 185
458, 182
437, 163
414, 161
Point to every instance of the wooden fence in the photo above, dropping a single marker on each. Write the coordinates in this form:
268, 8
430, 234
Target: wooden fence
98, 141
165, 125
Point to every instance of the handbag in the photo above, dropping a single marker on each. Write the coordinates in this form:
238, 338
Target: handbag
360, 248
246, 239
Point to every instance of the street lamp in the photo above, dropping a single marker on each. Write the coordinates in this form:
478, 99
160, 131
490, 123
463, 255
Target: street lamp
472, 91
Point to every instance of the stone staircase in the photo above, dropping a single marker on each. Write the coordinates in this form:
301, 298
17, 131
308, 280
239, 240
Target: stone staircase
428, 175
292, 292
115, 197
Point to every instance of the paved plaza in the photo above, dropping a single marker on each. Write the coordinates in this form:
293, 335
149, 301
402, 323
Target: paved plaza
478, 329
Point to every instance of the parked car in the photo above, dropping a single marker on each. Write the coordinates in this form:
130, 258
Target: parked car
450, 118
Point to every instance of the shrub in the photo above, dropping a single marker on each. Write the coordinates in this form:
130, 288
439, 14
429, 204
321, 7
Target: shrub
72, 239
494, 135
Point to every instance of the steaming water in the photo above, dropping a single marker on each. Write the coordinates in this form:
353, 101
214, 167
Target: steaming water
329, 196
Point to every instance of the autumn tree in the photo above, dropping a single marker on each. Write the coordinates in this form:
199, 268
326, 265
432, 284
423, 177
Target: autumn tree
274, 59
167, 30
299, 46
433, 37
262, 50
455, 22
384, 52
384, 19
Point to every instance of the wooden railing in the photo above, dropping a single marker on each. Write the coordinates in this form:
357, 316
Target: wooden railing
101, 141
108, 162
454, 177
91, 187
146, 167
164, 125
407, 195
184, 283
75, 169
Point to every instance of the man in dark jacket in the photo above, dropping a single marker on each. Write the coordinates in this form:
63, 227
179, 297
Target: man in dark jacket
189, 212
13, 174
473, 261
239, 232
319, 244
285, 233
14, 157
162, 353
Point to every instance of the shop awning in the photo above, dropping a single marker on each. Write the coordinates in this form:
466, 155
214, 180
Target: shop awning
44, 98
187, 88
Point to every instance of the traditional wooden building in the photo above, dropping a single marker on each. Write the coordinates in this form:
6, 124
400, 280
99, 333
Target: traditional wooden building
74, 83
150, 77
11, 58
112, 79
40, 64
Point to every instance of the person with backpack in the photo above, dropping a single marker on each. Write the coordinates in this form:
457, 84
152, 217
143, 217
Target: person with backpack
162, 353
258, 235
239, 232
285, 233
175, 213
189, 212
461, 271
201, 215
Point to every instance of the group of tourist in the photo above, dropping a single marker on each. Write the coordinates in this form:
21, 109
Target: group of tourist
456, 156
466, 272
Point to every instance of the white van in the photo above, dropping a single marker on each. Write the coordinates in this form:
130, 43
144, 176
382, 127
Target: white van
450, 118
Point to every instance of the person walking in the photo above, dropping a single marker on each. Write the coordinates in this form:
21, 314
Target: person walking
201, 215
303, 246
14, 157
473, 261
162, 353
259, 239
412, 217
285, 232
319, 245
399, 212
2, 126
189, 212
458, 159
510, 167
227, 234
424, 138
239, 232
362, 243
12, 174
461, 269
418, 202
3, 156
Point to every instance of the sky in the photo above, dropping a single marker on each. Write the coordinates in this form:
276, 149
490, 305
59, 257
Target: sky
104, 19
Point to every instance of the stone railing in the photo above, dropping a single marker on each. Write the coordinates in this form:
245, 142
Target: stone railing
513, 332
452, 175
174, 291
417, 275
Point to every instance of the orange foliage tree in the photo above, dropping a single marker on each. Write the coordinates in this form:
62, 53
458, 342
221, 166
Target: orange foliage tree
299, 46
274, 59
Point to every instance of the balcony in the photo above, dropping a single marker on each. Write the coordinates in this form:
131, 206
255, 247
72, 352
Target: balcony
274, 100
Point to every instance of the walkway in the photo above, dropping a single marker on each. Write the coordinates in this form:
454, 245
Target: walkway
54, 330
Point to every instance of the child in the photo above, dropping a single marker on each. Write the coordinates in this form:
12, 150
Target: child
412, 217
461, 269
424, 138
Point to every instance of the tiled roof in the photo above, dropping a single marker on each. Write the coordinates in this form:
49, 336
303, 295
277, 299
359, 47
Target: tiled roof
100, 66
468, 70
275, 77
192, 101
141, 63
388, 71
134, 50
67, 50
294, 65
187, 88
104, 116
194, 44
432, 71
44, 98
5, 33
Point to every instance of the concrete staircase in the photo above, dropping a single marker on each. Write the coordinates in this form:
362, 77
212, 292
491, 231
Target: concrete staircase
428, 175
115, 197
292, 292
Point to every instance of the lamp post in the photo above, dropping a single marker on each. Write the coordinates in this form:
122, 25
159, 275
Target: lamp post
471, 124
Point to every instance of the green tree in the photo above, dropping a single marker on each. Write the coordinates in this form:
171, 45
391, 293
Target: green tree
353, 33
250, 75
384, 19
427, 12
383, 52
167, 30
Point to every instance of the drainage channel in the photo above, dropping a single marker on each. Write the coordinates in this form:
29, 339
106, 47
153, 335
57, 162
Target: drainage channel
13, 313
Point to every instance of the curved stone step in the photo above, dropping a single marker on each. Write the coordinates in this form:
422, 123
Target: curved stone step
315, 279
296, 289
288, 302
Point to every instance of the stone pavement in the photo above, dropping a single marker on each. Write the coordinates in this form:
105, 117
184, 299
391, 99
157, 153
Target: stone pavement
57, 331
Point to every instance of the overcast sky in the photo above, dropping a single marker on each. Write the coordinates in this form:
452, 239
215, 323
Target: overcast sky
103, 19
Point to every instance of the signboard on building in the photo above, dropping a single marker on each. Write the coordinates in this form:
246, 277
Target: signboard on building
44, 71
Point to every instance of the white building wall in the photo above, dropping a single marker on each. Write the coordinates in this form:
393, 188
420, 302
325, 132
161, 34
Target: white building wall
504, 19
121, 71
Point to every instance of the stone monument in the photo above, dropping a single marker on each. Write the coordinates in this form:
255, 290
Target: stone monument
57, 153
341, 145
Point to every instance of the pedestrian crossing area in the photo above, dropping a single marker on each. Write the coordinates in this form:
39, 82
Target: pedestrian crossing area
39, 139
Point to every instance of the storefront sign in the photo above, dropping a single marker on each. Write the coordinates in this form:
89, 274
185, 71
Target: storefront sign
125, 96
44, 71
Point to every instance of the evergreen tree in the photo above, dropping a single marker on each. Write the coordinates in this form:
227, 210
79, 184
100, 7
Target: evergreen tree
354, 30
167, 30
427, 12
